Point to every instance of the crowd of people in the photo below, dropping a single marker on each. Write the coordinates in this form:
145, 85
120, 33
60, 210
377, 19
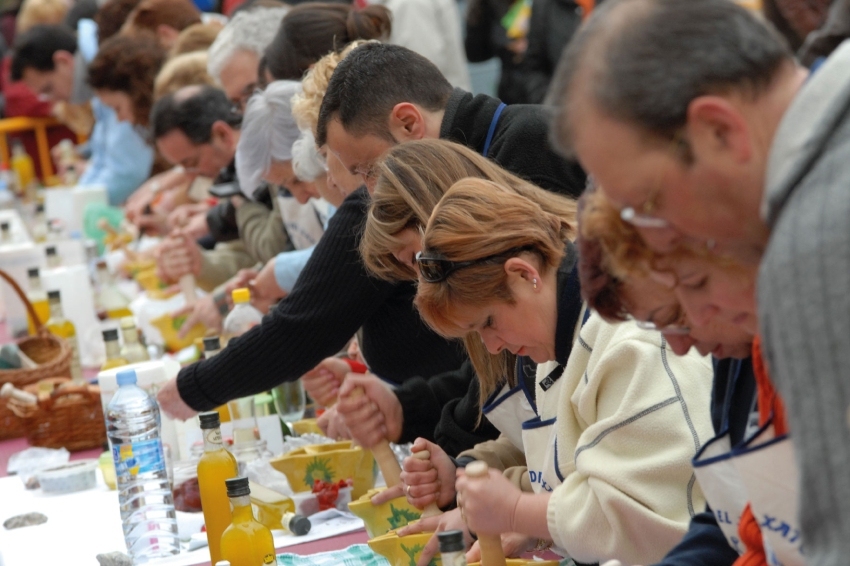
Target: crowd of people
622, 283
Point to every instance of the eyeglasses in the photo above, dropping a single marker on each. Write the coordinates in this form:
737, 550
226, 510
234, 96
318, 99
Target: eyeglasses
434, 268
678, 326
644, 216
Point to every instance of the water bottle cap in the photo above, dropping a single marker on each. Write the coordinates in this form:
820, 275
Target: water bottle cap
111, 334
210, 420
300, 525
212, 343
241, 295
237, 487
32, 272
50, 250
451, 541
54, 295
126, 377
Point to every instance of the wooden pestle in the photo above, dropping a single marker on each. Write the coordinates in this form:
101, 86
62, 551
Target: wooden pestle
431, 509
491, 545
383, 453
23, 397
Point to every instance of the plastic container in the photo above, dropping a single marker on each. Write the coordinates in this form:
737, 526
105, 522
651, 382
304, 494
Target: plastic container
144, 491
243, 317
74, 476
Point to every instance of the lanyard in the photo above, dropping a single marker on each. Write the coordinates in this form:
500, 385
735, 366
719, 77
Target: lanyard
492, 129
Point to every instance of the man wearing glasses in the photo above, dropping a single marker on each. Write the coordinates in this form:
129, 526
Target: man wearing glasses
697, 122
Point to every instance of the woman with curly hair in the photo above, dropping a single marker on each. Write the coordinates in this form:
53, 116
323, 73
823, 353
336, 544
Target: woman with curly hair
123, 73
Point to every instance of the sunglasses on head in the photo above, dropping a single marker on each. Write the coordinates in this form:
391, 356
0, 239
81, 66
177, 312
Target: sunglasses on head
434, 268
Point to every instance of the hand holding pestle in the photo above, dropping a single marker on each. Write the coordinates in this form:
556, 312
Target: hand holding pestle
491, 545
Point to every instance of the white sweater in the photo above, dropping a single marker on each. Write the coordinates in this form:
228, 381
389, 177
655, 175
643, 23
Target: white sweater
630, 417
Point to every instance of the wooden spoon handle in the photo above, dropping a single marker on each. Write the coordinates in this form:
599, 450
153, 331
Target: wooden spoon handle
491, 545
431, 509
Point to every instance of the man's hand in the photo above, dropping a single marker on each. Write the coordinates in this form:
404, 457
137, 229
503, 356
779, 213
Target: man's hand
264, 288
172, 404
371, 417
203, 311
431, 480
333, 425
322, 383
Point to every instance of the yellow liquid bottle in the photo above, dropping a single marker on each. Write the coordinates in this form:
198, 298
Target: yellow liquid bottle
24, 168
113, 351
64, 328
271, 507
215, 466
38, 298
245, 542
133, 351
111, 302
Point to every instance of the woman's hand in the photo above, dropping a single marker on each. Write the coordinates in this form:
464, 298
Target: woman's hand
431, 480
374, 416
177, 256
172, 404
513, 545
322, 383
487, 504
444, 522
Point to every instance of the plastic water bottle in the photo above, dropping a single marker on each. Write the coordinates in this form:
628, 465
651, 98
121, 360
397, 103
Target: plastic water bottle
242, 318
144, 492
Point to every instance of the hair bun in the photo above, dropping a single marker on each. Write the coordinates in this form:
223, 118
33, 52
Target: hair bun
371, 22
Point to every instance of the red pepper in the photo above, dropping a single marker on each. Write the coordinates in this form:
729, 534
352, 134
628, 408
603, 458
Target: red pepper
328, 492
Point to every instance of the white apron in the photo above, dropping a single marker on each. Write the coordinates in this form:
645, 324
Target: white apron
507, 409
767, 467
303, 222
763, 472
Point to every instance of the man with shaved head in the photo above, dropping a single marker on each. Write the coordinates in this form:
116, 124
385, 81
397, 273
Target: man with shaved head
695, 120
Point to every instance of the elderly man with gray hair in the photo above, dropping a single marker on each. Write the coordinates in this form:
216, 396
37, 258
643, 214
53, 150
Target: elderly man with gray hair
234, 57
697, 122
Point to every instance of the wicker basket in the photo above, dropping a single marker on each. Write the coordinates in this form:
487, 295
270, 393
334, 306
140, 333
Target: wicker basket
71, 417
52, 354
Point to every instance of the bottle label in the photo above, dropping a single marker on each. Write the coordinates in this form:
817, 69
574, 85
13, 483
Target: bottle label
138, 458
213, 436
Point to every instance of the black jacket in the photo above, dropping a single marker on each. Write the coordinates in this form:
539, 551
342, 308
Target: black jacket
553, 23
487, 38
520, 142
333, 297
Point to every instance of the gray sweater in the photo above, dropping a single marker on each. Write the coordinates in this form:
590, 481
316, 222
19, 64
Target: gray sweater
804, 299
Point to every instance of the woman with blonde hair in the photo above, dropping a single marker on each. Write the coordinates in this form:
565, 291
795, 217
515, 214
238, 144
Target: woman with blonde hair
608, 422
412, 179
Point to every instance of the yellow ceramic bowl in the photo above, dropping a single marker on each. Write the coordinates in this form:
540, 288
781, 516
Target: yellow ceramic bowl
152, 284
327, 462
169, 326
380, 519
402, 551
306, 426
134, 268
